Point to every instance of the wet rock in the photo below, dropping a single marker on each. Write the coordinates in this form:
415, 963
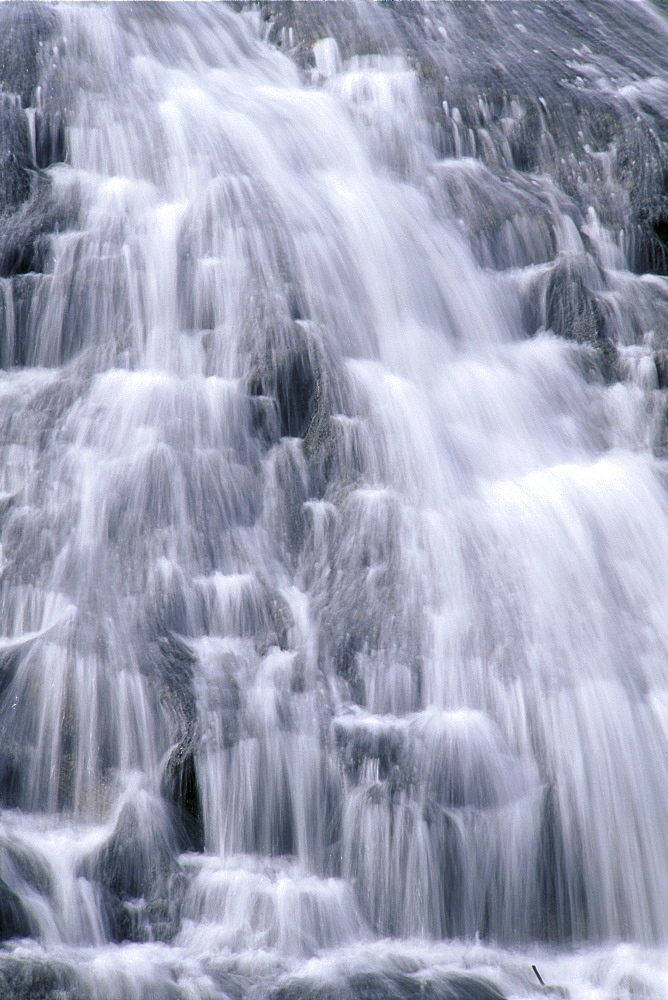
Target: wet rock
599, 363
14, 153
554, 917
33, 978
13, 764
25, 865
23, 248
18, 342
10, 657
21, 870
297, 388
281, 618
30, 539
264, 418
26, 259
572, 309
508, 219
357, 30
24, 243
24, 30
457, 987
253, 610
220, 494
359, 740
14, 920
173, 664
661, 364
180, 787
569, 299
525, 136
127, 863
290, 374
138, 875
50, 138
519, 107
658, 246
369, 608
284, 507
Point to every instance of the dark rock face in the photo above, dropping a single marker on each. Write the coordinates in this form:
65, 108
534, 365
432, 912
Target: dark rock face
539, 109
50, 137
38, 979
14, 921
543, 116
522, 114
138, 876
293, 383
24, 30
24, 239
179, 785
20, 870
30, 141
14, 153
521, 108
569, 298
658, 262
357, 29
571, 307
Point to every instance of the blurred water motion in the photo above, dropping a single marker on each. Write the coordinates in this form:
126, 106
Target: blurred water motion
334, 524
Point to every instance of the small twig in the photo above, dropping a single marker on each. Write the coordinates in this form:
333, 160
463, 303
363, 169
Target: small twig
538, 975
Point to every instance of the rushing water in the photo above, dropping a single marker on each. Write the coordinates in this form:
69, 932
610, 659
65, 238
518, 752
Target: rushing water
333, 497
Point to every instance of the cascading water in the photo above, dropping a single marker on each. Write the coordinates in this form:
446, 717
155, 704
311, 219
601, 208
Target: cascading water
333, 499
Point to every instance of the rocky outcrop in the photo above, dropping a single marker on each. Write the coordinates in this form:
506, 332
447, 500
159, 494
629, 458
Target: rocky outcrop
138, 875
32, 137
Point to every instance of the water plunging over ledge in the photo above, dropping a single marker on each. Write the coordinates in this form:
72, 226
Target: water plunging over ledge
333, 500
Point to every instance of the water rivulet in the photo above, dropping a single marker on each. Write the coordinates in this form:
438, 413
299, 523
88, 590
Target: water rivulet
333, 500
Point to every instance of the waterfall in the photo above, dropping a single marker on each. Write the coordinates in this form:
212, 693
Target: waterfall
333, 500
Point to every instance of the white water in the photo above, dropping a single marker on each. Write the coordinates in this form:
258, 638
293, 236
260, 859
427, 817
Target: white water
291, 495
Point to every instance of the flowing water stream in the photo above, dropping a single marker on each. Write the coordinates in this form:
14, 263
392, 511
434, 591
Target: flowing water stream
334, 501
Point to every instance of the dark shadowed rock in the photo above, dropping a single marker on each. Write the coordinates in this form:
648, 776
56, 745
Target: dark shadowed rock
24, 31
291, 374
14, 153
172, 665
572, 309
14, 920
359, 28
181, 789
34, 978
138, 875
25, 27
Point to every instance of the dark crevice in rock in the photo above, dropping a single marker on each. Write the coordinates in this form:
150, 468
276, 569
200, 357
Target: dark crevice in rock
179, 785
658, 242
291, 373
